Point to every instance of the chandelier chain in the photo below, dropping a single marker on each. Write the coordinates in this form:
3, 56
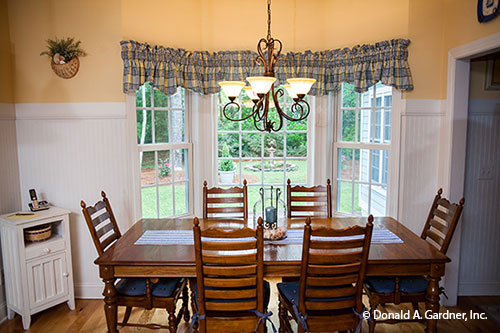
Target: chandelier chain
268, 19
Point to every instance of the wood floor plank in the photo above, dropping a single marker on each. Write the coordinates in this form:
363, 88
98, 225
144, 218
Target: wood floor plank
88, 316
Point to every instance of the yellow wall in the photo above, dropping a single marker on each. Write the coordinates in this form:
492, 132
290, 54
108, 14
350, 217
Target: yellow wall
433, 26
6, 93
96, 23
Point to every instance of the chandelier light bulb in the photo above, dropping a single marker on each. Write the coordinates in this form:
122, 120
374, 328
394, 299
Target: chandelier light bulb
301, 86
232, 89
290, 91
250, 93
261, 84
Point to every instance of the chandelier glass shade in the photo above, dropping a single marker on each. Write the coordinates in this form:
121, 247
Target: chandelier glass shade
262, 89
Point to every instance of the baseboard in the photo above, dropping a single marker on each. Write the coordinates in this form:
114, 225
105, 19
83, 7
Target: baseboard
89, 291
479, 289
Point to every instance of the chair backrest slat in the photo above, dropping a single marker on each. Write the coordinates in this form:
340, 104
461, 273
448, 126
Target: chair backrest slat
225, 202
332, 271
442, 222
224, 266
312, 201
101, 223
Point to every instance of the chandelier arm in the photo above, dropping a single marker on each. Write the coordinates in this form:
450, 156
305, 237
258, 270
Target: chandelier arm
304, 110
261, 58
277, 56
238, 109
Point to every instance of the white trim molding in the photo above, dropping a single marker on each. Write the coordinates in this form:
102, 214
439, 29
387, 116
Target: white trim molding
454, 139
66, 111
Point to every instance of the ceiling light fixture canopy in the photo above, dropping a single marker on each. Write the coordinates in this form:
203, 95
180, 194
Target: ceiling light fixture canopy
262, 88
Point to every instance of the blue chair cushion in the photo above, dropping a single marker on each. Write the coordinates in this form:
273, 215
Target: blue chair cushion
131, 287
290, 290
267, 294
413, 284
380, 284
165, 287
407, 284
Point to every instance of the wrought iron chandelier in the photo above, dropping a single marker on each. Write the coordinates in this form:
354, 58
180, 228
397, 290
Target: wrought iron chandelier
262, 88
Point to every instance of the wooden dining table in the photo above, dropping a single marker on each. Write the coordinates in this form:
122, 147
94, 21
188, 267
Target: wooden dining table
413, 256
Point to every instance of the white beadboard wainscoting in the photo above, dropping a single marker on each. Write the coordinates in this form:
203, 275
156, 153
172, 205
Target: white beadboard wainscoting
69, 152
419, 163
480, 249
10, 199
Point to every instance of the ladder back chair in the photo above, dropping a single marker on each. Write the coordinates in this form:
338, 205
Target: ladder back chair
225, 202
438, 232
135, 292
328, 296
312, 201
230, 293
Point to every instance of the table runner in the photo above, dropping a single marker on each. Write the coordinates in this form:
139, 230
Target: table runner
294, 236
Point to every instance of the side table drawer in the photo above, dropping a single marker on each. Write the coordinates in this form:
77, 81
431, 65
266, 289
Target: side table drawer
35, 250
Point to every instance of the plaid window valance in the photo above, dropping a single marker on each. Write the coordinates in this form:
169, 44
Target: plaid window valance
168, 68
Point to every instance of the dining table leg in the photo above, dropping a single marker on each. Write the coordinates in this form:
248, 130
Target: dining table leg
433, 291
109, 293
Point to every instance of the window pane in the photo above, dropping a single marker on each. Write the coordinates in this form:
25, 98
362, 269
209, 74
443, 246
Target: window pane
388, 100
387, 126
143, 96
365, 125
181, 198
273, 144
166, 200
144, 132
300, 125
250, 144
147, 160
229, 145
385, 162
348, 131
252, 171
161, 126
345, 163
224, 124
177, 126
296, 144
160, 99
273, 171
177, 99
363, 195
344, 197
378, 124
164, 167
296, 171
364, 160
148, 196
180, 163
376, 165
378, 200
227, 171
348, 96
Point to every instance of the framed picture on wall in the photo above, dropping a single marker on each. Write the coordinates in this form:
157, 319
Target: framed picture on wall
493, 74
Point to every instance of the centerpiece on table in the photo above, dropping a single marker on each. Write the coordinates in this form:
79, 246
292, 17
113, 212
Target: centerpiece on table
273, 211
64, 55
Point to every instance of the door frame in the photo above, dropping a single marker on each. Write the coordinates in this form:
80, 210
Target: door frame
454, 141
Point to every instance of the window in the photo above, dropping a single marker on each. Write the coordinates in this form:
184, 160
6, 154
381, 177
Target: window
164, 153
263, 159
362, 150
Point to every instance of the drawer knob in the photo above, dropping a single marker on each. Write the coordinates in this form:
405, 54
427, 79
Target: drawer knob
47, 250
65, 274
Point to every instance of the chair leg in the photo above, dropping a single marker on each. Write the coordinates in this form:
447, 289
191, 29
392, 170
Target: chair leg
185, 304
372, 322
283, 317
172, 319
126, 316
416, 308
193, 301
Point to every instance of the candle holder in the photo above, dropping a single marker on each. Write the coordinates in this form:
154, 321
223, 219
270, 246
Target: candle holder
272, 209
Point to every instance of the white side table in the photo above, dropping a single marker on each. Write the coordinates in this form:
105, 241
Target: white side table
38, 275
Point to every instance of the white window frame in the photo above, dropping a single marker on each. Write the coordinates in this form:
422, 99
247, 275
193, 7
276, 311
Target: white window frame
394, 150
238, 160
136, 149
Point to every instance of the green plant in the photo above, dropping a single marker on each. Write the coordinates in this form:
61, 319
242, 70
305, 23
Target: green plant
226, 165
66, 48
165, 168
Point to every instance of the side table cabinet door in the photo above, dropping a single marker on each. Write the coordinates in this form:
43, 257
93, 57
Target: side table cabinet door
47, 279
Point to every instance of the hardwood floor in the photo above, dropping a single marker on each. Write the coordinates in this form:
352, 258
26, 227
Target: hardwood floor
89, 317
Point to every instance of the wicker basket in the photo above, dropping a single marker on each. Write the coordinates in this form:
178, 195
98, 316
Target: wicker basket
67, 70
38, 233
